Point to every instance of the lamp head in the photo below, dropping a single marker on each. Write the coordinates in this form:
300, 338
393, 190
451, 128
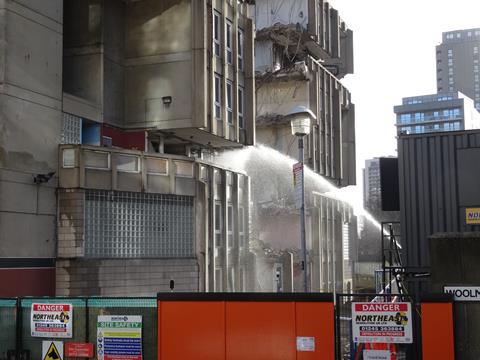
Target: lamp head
301, 117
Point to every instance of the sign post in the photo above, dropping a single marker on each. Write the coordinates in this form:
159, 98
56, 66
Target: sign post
389, 323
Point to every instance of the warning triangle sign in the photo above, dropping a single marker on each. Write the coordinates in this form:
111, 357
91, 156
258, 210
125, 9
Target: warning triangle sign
52, 353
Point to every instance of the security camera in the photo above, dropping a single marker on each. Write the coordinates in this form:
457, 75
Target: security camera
43, 178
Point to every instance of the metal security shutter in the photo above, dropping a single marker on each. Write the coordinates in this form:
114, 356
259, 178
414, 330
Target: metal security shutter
138, 225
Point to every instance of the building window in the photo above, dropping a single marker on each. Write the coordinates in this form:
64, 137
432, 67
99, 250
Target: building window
68, 158
241, 227
475, 49
228, 41
241, 104
229, 102
216, 33
230, 237
242, 279
240, 48
218, 280
98, 160
218, 224
127, 163
218, 97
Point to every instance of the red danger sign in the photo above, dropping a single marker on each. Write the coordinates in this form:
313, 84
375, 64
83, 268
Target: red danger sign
82, 350
51, 307
389, 323
381, 307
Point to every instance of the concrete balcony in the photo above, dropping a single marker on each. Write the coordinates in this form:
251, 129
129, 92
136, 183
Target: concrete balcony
103, 168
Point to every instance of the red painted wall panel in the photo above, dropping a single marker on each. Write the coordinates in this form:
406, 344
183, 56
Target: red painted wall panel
134, 140
27, 282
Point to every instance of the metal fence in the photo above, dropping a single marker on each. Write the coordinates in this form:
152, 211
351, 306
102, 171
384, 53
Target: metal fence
17, 343
347, 349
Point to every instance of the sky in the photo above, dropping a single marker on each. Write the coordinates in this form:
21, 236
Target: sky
394, 54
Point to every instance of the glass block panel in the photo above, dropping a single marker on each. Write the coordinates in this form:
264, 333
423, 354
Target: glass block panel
138, 225
71, 132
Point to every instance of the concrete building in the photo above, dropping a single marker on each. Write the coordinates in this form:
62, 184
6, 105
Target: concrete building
302, 49
438, 112
142, 94
458, 63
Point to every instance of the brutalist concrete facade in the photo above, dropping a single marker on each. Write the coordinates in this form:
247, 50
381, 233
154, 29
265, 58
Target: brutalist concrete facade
302, 50
156, 77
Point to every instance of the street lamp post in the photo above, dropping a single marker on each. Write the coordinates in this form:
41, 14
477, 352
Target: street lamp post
300, 122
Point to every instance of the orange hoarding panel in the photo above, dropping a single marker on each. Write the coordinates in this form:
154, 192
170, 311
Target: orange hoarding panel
437, 331
315, 320
240, 326
190, 330
260, 331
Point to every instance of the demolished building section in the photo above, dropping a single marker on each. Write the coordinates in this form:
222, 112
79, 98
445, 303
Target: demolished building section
302, 50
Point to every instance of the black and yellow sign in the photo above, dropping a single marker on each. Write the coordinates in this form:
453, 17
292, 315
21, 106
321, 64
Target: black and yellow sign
52, 350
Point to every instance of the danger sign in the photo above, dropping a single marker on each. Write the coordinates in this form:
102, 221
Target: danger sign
51, 320
382, 322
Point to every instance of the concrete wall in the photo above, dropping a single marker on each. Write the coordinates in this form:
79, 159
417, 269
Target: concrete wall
158, 45
30, 118
128, 277
268, 13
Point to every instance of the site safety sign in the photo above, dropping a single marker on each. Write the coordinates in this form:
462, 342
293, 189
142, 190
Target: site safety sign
119, 337
382, 323
51, 320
